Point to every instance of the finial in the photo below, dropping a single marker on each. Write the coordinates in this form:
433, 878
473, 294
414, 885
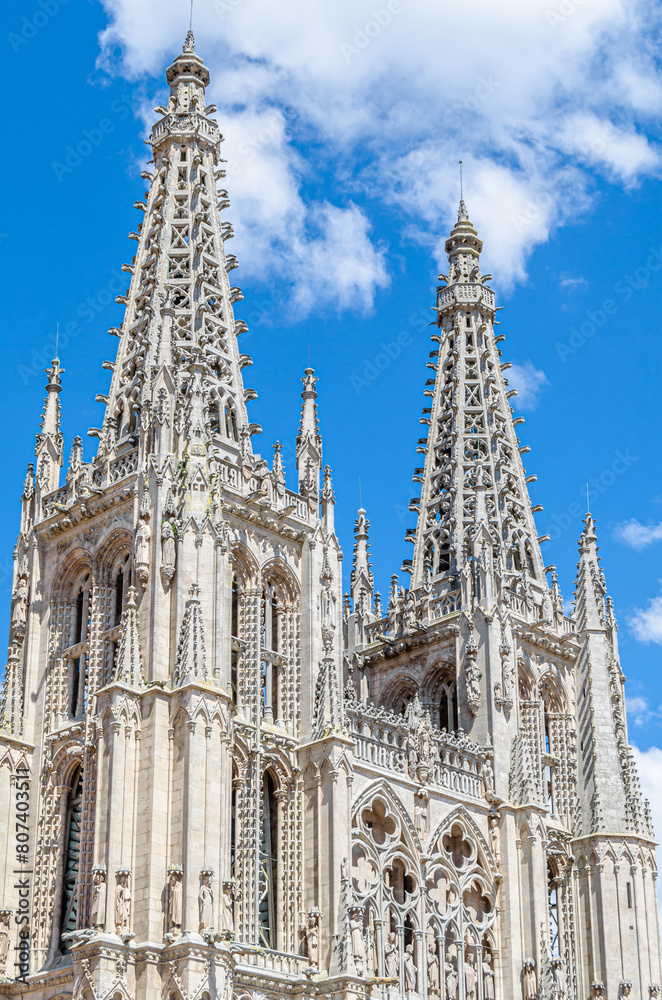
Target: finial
462, 214
189, 44
460, 162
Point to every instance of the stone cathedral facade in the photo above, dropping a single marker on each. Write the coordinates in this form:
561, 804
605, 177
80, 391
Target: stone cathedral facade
222, 778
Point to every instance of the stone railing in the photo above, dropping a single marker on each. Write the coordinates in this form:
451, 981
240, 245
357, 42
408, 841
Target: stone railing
275, 961
394, 743
467, 292
123, 466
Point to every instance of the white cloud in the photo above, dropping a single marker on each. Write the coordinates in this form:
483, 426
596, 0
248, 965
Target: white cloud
637, 535
548, 108
639, 710
649, 768
529, 382
646, 623
566, 281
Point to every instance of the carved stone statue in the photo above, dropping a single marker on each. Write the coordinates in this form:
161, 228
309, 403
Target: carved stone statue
168, 551
98, 908
469, 978
227, 910
5, 939
410, 969
488, 979
206, 902
529, 981
356, 934
143, 538
311, 935
412, 752
451, 979
20, 609
495, 839
122, 903
175, 895
434, 984
487, 772
391, 957
559, 984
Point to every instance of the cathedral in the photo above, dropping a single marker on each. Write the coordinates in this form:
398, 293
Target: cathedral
221, 778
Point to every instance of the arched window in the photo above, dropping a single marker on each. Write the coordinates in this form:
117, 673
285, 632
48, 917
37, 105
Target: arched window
553, 902
231, 423
270, 611
448, 715
119, 595
529, 562
70, 860
402, 699
78, 645
268, 863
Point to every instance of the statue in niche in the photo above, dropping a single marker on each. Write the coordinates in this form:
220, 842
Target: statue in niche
469, 978
175, 894
434, 985
206, 902
410, 969
5, 940
168, 551
529, 980
391, 957
356, 934
488, 978
123, 904
227, 910
98, 908
451, 978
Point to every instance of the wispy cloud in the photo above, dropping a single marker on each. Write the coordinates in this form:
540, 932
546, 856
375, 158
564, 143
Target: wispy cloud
570, 283
649, 768
529, 382
639, 710
646, 623
638, 535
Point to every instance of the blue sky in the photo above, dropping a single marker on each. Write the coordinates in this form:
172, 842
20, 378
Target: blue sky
343, 135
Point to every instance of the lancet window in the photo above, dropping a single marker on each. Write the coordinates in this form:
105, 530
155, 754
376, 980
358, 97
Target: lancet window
268, 863
76, 653
70, 860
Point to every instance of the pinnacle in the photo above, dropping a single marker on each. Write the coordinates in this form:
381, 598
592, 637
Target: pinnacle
462, 213
189, 44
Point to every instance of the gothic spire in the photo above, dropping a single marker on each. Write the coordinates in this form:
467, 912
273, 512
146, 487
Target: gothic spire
49, 448
590, 586
309, 439
176, 387
362, 582
474, 512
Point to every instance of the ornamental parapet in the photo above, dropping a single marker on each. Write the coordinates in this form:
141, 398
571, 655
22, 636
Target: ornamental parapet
410, 746
465, 293
182, 127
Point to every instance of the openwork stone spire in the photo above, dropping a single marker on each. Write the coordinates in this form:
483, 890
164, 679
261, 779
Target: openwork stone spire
178, 339
591, 589
475, 529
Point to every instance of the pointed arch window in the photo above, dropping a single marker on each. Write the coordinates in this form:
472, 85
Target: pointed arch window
77, 651
270, 612
235, 640
553, 904
448, 716
268, 863
70, 860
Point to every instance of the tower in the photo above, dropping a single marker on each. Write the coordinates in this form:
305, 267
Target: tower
219, 777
